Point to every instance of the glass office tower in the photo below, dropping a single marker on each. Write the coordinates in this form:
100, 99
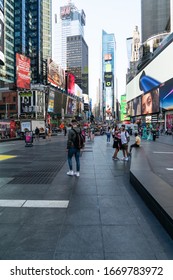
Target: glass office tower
108, 100
77, 61
155, 17
7, 17
71, 23
33, 33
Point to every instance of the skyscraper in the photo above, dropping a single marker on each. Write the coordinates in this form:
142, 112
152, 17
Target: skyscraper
77, 60
108, 103
7, 40
33, 33
155, 17
71, 23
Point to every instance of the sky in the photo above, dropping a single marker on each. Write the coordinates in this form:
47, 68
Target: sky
113, 16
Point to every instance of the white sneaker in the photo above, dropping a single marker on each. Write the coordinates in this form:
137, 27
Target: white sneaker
77, 174
123, 158
70, 173
126, 158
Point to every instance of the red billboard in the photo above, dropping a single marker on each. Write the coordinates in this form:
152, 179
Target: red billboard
71, 83
23, 78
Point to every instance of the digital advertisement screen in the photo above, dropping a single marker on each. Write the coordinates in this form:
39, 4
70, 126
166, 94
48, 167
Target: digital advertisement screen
150, 102
71, 84
23, 78
166, 95
152, 76
71, 106
136, 106
55, 74
129, 108
51, 102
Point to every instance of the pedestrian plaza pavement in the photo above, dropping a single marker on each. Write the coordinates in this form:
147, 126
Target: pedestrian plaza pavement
45, 214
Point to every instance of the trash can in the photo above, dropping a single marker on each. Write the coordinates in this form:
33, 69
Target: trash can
28, 139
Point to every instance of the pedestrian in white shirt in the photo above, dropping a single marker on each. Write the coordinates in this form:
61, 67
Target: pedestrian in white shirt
124, 142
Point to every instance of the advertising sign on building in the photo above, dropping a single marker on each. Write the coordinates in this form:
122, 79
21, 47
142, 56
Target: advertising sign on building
23, 77
55, 74
108, 103
65, 12
51, 101
26, 102
71, 106
108, 56
124, 108
108, 79
78, 91
71, 83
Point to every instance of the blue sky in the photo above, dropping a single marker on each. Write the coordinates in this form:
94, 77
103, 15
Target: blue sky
114, 16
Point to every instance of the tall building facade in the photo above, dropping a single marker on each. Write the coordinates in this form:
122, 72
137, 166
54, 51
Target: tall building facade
7, 41
133, 47
71, 23
33, 33
155, 17
108, 102
77, 60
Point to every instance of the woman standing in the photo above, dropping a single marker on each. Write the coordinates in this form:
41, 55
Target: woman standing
117, 142
108, 134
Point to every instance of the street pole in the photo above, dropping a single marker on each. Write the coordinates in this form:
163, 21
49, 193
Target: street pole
6, 110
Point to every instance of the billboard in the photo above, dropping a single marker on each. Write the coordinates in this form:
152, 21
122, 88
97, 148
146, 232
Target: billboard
55, 74
1, 37
78, 91
70, 83
23, 78
108, 103
150, 102
166, 95
136, 106
51, 101
108, 77
157, 72
26, 102
71, 106
107, 56
124, 108
65, 12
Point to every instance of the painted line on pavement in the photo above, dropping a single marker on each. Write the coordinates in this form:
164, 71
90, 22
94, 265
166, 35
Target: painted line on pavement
162, 152
170, 169
34, 203
4, 157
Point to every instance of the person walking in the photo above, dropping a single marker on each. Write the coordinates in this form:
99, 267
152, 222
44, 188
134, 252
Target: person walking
108, 134
116, 142
37, 134
72, 150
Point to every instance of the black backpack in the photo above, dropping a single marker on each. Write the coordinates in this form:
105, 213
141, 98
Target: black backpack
79, 140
